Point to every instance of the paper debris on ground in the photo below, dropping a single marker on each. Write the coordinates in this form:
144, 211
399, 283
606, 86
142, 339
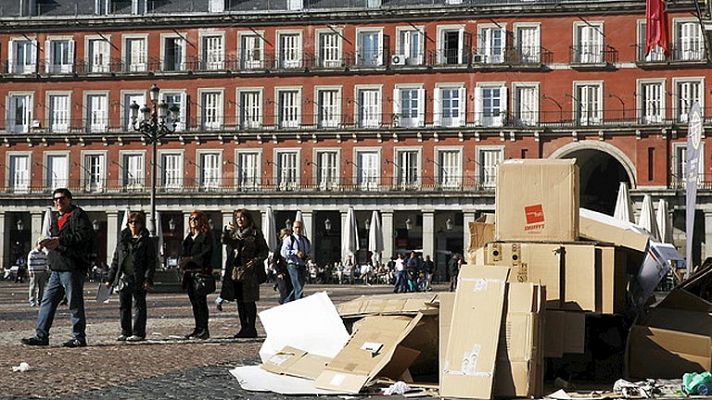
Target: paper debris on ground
561, 394
255, 379
388, 304
295, 362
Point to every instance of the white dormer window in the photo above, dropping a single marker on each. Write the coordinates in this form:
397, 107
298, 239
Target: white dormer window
138, 7
215, 6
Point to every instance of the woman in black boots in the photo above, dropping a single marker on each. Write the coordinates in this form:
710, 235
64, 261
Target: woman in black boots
195, 262
244, 269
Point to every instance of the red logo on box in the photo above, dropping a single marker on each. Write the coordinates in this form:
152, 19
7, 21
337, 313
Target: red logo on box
534, 214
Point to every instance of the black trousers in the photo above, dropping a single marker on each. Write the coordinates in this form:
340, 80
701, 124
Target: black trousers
247, 311
200, 309
138, 295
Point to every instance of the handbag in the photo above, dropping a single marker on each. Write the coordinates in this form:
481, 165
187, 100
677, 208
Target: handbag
203, 284
240, 273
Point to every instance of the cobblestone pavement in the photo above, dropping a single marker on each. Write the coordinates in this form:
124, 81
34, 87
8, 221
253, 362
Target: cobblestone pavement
164, 367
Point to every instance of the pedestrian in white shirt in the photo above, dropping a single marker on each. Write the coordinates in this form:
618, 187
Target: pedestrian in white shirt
39, 273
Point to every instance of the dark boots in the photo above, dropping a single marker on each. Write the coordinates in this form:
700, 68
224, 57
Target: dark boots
248, 316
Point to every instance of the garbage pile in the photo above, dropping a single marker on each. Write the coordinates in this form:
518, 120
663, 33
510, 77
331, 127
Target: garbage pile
545, 280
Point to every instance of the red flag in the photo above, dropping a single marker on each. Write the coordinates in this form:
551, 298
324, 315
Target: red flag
656, 27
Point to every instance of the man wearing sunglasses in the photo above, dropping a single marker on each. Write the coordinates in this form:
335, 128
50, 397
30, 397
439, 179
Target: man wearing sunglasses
69, 248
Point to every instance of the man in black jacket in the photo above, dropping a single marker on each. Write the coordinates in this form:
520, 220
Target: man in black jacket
69, 248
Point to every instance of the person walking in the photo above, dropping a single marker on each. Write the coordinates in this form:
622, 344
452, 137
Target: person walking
401, 285
295, 250
196, 258
429, 268
131, 275
39, 274
283, 281
454, 270
70, 247
244, 269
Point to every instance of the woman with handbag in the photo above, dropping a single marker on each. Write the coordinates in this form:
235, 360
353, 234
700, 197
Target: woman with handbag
131, 275
198, 280
244, 269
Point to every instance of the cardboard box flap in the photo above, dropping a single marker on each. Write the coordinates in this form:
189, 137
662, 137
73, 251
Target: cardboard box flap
699, 323
480, 234
295, 362
662, 353
699, 280
604, 228
387, 304
468, 368
681, 299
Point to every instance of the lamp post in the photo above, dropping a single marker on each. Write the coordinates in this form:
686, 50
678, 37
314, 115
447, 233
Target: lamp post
153, 127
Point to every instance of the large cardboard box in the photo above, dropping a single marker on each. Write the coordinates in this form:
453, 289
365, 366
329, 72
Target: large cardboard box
481, 232
537, 200
604, 228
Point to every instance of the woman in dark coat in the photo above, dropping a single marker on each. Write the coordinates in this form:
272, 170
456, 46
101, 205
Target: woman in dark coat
195, 262
131, 274
246, 250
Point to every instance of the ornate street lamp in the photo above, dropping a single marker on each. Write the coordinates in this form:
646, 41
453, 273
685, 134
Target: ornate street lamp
95, 225
172, 224
449, 224
408, 224
327, 225
154, 126
20, 225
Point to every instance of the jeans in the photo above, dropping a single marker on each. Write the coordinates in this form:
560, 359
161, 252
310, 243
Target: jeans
38, 281
296, 275
61, 282
139, 322
401, 282
200, 309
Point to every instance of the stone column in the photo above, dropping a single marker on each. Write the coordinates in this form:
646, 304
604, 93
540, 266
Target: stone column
387, 226
36, 226
708, 235
467, 217
112, 234
428, 233
344, 226
308, 226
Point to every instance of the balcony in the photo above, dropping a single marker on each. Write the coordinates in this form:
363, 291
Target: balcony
689, 53
592, 57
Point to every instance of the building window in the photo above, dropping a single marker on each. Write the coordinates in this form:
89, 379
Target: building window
407, 169
22, 57
588, 47
97, 112
59, 109
19, 181
528, 44
449, 167
135, 55
102, 7
490, 105
491, 44
688, 41
57, 171
250, 108
329, 50
138, 7
327, 170
526, 105
295, 5
488, 161
367, 170
686, 94
369, 108
94, 166
409, 49
209, 165
19, 109
213, 52
60, 56
287, 170
211, 105
452, 45
248, 170
328, 108
369, 48
133, 171
179, 99
215, 6
251, 53
130, 98
408, 106
680, 163
449, 106
172, 171
656, 54
98, 58
290, 50
289, 108
652, 103
587, 104
173, 54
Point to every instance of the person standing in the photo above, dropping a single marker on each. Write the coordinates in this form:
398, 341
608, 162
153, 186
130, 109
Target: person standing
37, 266
196, 258
70, 247
295, 250
246, 251
429, 267
454, 270
131, 275
401, 285
284, 282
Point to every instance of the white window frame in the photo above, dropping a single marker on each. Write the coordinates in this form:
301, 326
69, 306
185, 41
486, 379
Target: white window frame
126, 107
216, 6
256, 180
220, 110
646, 115
18, 184
681, 113
278, 107
11, 121
288, 185
370, 123
295, 5
103, 121
104, 55
100, 184
400, 172
175, 183
688, 50
142, 63
178, 65
529, 117
410, 122
491, 121
404, 50
55, 180
102, 7
139, 7
255, 60
63, 123
656, 54
13, 66
373, 60
457, 179
322, 61
589, 51
215, 59
678, 166
442, 30
326, 182
129, 180
367, 182
49, 50
586, 117
205, 182
527, 53
249, 122
487, 175
295, 58
331, 123
181, 124
438, 111
486, 48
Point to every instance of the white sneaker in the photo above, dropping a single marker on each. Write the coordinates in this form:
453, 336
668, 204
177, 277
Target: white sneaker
134, 338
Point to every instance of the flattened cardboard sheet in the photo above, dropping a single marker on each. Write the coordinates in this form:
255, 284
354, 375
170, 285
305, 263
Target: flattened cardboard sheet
295, 362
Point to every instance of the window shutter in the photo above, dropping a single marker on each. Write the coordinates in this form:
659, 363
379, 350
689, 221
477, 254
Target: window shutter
48, 54
71, 55
461, 47
396, 107
503, 105
462, 109
437, 107
421, 106
478, 106
34, 53
11, 57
